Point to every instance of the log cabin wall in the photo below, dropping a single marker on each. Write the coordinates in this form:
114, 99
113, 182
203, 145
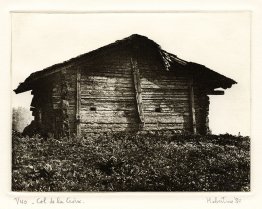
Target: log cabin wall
107, 98
131, 84
108, 94
165, 95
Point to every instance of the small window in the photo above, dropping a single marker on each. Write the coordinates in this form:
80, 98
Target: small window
158, 109
92, 108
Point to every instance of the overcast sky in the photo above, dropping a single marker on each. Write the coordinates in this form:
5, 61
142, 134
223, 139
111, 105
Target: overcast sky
220, 41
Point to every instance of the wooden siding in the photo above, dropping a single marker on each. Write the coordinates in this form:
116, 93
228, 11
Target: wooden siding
108, 95
165, 96
101, 94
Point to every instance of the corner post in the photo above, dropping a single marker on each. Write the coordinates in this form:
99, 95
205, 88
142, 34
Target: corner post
192, 106
78, 101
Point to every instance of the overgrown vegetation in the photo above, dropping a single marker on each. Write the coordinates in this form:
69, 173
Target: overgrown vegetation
151, 161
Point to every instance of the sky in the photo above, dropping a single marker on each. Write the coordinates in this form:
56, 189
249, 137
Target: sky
220, 41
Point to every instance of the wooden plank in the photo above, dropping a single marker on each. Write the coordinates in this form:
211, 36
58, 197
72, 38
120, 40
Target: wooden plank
97, 85
169, 114
137, 84
178, 90
87, 130
106, 70
116, 113
105, 93
98, 128
215, 92
107, 98
164, 99
110, 75
78, 102
192, 105
175, 118
166, 110
106, 79
164, 93
103, 126
107, 119
164, 87
164, 79
164, 126
109, 107
165, 96
107, 88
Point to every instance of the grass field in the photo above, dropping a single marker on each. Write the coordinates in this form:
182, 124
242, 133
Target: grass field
152, 161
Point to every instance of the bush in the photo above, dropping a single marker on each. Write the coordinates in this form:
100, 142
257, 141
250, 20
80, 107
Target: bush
146, 161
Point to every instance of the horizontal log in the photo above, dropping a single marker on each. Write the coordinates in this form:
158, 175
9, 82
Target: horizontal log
84, 113
108, 129
175, 118
103, 119
160, 74
160, 126
100, 128
115, 106
166, 90
165, 99
163, 92
216, 92
170, 114
128, 95
98, 85
163, 86
106, 79
105, 93
164, 81
106, 72
109, 75
107, 99
98, 102
109, 107
107, 88
130, 102
108, 125
158, 103
167, 110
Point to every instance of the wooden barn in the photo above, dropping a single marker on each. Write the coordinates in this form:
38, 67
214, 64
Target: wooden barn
131, 84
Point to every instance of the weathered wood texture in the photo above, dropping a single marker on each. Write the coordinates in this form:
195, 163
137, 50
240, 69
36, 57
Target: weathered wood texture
165, 95
138, 91
78, 101
108, 95
100, 96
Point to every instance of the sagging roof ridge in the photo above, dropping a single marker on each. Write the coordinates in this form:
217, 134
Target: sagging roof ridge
167, 58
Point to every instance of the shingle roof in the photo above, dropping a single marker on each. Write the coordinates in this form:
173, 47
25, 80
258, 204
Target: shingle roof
170, 62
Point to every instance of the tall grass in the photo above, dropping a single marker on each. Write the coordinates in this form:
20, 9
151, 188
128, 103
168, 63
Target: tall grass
151, 161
